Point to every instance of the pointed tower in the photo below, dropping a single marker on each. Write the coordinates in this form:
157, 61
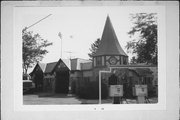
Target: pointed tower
110, 51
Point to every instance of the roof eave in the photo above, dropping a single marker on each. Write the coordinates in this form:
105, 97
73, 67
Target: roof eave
108, 55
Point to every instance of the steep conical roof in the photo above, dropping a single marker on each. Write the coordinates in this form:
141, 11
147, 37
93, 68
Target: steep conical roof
109, 43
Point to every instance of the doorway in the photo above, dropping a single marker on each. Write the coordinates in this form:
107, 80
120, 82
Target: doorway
62, 82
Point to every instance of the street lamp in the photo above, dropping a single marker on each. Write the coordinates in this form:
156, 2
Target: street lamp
60, 36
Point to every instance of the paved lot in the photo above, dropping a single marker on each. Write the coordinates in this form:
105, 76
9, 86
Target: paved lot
49, 100
59, 99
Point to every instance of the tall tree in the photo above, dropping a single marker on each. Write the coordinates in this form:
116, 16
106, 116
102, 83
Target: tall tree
33, 48
94, 48
144, 43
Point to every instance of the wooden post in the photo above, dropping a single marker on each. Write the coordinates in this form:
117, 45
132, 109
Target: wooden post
141, 99
99, 87
116, 100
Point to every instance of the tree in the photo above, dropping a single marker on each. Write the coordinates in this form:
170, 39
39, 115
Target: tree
94, 48
33, 48
144, 46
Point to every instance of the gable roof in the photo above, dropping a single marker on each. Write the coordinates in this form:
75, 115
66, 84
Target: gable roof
73, 64
109, 43
42, 66
67, 62
50, 67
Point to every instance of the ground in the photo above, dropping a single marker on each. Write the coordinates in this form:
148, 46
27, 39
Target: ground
58, 99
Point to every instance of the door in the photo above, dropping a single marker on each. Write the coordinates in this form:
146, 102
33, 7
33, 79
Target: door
127, 87
62, 82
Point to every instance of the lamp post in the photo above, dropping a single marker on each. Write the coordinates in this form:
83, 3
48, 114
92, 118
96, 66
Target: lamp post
60, 36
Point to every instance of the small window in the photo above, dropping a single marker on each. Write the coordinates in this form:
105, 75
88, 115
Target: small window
98, 61
124, 60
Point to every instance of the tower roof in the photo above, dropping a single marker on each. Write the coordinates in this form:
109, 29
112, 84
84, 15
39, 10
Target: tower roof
109, 43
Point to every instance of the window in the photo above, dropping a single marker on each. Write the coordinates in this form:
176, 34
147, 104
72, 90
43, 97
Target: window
98, 61
94, 59
120, 60
124, 60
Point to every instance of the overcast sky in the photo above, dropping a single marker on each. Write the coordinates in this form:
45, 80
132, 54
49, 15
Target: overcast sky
79, 26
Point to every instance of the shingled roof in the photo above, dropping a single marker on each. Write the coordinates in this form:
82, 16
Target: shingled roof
109, 43
73, 64
42, 66
50, 67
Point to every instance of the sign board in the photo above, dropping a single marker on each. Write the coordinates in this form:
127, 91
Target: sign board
141, 90
116, 90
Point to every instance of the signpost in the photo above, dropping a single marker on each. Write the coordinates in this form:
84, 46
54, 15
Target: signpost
121, 67
116, 91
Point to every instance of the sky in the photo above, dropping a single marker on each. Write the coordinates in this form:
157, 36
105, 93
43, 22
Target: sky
79, 26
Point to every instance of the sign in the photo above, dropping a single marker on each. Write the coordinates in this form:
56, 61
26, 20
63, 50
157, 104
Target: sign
141, 90
116, 90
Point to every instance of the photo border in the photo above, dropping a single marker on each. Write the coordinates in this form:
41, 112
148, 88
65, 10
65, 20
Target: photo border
168, 110
161, 105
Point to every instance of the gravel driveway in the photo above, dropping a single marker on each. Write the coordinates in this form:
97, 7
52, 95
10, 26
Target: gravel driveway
58, 99
49, 100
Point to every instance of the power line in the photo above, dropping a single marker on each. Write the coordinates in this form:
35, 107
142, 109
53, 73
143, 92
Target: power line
38, 21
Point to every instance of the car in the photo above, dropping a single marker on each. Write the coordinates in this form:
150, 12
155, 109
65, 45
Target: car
28, 86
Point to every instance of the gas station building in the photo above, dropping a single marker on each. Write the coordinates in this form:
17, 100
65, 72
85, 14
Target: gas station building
66, 74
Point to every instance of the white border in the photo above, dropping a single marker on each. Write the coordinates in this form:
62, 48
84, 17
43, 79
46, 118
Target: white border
161, 105
8, 111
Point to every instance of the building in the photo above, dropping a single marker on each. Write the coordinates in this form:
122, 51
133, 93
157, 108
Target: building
56, 77
73, 74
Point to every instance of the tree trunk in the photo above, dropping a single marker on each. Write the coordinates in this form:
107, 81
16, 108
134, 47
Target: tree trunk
25, 69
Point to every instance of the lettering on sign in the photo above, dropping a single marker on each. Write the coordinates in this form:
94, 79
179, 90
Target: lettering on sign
116, 90
141, 90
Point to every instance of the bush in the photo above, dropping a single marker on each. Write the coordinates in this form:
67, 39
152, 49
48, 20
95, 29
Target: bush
152, 93
91, 91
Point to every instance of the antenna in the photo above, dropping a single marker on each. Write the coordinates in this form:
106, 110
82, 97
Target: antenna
70, 52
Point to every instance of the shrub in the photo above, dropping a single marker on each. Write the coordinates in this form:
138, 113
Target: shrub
91, 91
152, 93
